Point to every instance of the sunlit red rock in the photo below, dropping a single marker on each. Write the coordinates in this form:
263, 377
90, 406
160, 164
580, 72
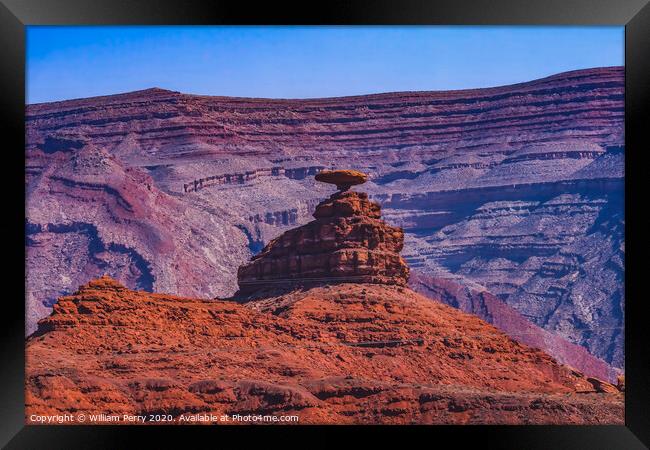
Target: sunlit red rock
348, 242
511, 188
349, 353
343, 179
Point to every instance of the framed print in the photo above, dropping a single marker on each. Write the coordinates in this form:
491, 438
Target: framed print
416, 220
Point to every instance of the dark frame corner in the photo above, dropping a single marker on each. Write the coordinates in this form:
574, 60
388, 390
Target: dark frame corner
634, 14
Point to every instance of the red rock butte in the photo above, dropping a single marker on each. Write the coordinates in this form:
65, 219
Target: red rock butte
348, 242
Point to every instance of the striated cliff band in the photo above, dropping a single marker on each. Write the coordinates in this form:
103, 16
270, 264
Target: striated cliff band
514, 191
323, 330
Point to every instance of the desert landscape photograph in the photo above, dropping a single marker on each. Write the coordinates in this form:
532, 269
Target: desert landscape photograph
275, 225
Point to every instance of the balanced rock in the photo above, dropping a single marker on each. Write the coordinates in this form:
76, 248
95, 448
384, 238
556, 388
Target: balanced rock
348, 242
343, 179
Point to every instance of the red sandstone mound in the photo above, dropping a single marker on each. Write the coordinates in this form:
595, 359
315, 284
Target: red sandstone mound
348, 241
350, 353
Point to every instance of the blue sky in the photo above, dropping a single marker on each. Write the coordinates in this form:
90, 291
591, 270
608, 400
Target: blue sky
303, 62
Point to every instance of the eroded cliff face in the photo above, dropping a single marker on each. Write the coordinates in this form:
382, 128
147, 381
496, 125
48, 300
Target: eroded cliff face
516, 189
556, 257
88, 215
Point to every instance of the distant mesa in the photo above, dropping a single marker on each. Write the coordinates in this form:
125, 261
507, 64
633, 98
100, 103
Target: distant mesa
343, 179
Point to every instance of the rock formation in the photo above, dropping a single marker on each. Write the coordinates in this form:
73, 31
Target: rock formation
517, 190
89, 215
343, 179
346, 353
348, 242
343, 341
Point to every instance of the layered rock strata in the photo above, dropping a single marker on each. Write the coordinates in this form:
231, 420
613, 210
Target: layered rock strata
348, 242
516, 189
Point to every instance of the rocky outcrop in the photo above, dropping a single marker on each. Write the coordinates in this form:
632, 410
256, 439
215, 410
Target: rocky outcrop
347, 353
347, 242
517, 189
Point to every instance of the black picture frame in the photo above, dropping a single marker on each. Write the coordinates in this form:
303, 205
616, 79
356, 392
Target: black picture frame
633, 14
